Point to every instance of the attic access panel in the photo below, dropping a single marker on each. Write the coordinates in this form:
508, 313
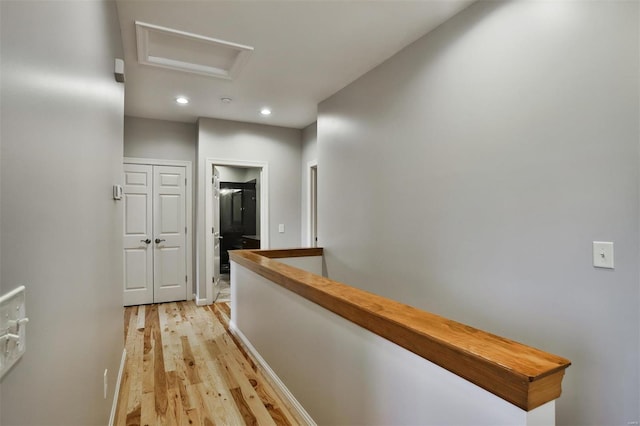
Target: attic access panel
193, 53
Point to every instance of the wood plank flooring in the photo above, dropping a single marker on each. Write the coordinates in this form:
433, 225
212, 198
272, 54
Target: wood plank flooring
185, 368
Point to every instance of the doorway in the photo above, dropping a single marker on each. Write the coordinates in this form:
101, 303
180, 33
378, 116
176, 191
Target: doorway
156, 243
312, 204
236, 212
238, 208
239, 214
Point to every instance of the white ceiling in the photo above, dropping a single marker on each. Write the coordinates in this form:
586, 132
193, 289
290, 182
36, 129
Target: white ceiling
305, 51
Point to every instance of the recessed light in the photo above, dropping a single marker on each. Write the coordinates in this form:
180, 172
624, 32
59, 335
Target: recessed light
265, 111
182, 100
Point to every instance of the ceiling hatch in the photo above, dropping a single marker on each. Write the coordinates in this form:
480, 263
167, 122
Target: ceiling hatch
182, 51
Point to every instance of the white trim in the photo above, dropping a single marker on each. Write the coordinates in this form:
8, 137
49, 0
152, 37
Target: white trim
189, 213
208, 209
310, 237
11, 294
116, 394
544, 415
156, 162
200, 302
213, 45
272, 376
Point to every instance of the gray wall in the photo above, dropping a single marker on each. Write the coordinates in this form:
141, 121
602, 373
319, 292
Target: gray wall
62, 123
469, 174
0, 184
164, 140
309, 153
280, 148
231, 174
160, 139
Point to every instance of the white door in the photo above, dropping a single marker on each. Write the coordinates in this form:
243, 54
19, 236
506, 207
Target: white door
155, 260
138, 229
169, 232
216, 231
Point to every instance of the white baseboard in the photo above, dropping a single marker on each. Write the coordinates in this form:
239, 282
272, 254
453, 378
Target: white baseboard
272, 376
116, 393
201, 302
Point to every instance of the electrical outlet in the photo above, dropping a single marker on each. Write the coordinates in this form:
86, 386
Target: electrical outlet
106, 372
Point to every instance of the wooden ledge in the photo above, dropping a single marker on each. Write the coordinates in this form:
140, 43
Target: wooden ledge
295, 252
524, 376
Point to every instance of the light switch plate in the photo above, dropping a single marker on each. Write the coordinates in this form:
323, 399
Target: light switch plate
603, 254
117, 192
12, 323
281, 228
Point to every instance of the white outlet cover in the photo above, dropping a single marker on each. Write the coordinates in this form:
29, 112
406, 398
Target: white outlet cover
603, 254
106, 372
281, 228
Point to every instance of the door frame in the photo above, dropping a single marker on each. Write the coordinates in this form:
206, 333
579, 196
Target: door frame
189, 269
312, 203
208, 214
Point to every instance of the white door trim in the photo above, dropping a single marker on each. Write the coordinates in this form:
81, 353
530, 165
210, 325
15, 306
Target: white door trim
310, 189
208, 213
189, 213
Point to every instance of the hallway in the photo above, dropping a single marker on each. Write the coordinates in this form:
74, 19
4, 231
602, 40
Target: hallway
184, 367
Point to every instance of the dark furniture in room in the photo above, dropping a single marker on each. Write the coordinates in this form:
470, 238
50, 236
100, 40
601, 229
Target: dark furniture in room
251, 241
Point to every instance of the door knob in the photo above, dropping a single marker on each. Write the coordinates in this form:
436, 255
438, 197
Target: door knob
158, 240
147, 241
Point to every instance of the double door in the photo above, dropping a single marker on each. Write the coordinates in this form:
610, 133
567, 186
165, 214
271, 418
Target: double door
154, 234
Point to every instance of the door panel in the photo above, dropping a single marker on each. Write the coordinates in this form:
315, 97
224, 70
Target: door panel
136, 214
169, 261
138, 255
135, 267
170, 179
169, 230
137, 178
169, 214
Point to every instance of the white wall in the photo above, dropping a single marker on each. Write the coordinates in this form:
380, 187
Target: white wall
309, 153
231, 174
160, 139
0, 187
280, 148
469, 174
62, 124
311, 264
343, 374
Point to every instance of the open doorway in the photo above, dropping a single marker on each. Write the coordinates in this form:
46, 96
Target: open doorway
312, 204
239, 218
237, 214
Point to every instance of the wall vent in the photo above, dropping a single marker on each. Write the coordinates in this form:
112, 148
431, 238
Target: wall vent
193, 53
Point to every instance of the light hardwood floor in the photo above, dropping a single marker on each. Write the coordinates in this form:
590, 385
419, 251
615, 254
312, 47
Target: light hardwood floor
184, 368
